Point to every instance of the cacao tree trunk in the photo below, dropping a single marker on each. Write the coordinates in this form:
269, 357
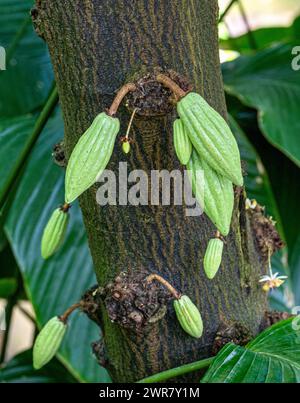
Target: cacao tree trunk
96, 46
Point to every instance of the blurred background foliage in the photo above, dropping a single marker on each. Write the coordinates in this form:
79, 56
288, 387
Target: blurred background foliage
263, 99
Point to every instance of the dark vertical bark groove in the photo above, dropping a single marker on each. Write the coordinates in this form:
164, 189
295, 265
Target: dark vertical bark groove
95, 46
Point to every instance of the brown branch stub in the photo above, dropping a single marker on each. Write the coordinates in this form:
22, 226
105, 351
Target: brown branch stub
165, 283
169, 83
129, 87
272, 317
64, 317
230, 332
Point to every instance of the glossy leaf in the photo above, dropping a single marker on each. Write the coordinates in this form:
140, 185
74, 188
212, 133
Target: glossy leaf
25, 83
272, 357
258, 187
8, 287
13, 135
267, 82
20, 370
295, 264
257, 182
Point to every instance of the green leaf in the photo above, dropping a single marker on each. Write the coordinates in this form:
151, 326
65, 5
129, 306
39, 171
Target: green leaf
55, 284
20, 370
295, 264
272, 357
3, 240
267, 82
13, 135
25, 83
257, 182
258, 187
263, 37
8, 287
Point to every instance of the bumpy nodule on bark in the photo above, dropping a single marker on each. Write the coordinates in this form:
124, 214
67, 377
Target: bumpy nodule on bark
130, 300
151, 98
267, 237
134, 303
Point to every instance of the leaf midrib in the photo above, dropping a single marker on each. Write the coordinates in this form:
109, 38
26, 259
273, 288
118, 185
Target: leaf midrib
276, 357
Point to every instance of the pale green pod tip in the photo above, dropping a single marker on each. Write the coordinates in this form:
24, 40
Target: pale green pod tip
90, 155
213, 257
126, 147
54, 232
48, 342
182, 144
188, 316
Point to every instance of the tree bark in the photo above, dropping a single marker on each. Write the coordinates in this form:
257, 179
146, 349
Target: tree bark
96, 46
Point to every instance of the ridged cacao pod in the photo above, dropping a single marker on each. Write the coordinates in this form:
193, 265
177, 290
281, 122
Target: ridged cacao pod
188, 316
182, 143
211, 136
213, 257
217, 197
48, 342
90, 155
54, 232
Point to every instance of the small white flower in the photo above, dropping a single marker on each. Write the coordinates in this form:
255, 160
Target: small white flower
272, 281
250, 204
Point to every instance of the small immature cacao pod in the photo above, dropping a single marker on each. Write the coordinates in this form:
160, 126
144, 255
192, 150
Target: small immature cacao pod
90, 155
215, 195
188, 316
48, 342
182, 143
126, 147
54, 232
213, 257
211, 136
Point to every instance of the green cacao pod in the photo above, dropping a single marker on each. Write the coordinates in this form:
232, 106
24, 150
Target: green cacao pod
54, 232
90, 155
211, 136
182, 143
48, 341
217, 196
188, 316
213, 257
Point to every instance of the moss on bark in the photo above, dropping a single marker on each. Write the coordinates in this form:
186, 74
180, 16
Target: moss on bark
95, 46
